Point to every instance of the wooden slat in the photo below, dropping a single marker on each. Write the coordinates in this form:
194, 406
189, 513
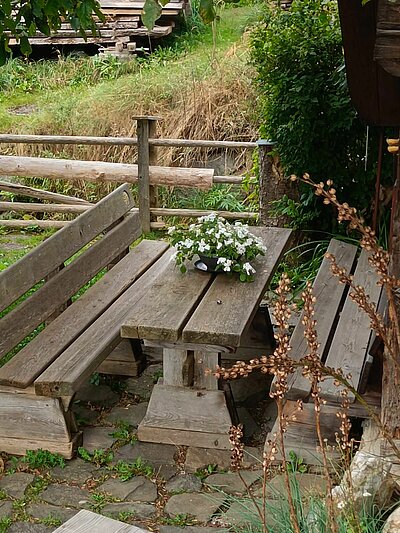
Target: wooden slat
23, 416
22, 320
43, 349
28, 207
165, 310
229, 305
76, 363
350, 343
89, 522
21, 276
329, 295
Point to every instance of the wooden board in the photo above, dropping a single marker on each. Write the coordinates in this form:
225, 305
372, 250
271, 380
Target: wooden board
329, 295
70, 370
29, 416
301, 437
25, 273
167, 306
122, 361
22, 320
353, 332
229, 305
19, 446
43, 349
187, 417
89, 522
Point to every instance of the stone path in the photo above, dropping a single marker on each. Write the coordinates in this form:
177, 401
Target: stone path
160, 487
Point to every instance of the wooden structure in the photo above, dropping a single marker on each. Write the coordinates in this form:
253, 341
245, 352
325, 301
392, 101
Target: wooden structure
89, 522
195, 317
373, 90
122, 32
346, 342
145, 173
38, 383
387, 44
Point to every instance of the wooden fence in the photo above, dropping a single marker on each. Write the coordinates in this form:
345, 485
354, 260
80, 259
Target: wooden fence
145, 173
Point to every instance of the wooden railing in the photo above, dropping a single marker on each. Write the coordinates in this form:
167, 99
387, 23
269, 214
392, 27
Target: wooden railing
145, 173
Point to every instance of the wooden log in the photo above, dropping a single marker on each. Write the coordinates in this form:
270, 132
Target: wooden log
27, 207
121, 141
19, 277
43, 224
161, 211
237, 180
31, 192
99, 171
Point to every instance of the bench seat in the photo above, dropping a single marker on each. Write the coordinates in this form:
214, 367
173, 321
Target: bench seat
38, 383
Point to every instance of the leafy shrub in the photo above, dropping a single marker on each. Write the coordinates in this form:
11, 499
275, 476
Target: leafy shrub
305, 103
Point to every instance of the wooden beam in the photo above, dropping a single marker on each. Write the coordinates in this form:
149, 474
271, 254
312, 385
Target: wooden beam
161, 211
144, 173
99, 171
27, 207
42, 224
121, 141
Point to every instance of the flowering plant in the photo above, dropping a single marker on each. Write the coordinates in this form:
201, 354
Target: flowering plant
232, 244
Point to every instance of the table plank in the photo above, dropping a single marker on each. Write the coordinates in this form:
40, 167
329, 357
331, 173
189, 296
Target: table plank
229, 305
167, 306
88, 522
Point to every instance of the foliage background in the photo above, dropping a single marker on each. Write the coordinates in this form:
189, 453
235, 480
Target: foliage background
305, 106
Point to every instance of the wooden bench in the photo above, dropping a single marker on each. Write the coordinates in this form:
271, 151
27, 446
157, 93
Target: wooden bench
343, 328
345, 339
38, 383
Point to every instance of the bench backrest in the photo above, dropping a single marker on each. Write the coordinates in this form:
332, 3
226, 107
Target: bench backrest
107, 228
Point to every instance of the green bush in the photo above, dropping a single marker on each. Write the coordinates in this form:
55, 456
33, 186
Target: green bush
305, 103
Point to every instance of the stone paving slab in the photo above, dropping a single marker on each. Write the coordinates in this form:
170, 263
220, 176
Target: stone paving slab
132, 414
44, 510
65, 496
154, 454
6, 508
26, 527
307, 483
184, 483
84, 415
136, 489
143, 385
200, 506
140, 511
231, 482
244, 514
97, 438
16, 484
100, 395
76, 471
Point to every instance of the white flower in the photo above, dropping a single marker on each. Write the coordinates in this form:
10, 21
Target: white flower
341, 505
248, 269
171, 230
203, 246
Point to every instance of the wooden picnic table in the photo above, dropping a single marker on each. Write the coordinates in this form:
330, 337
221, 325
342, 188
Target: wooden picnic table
195, 317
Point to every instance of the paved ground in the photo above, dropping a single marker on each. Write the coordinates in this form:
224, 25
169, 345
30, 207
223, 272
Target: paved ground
160, 487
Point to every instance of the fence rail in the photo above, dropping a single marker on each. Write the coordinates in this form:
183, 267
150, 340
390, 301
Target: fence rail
146, 174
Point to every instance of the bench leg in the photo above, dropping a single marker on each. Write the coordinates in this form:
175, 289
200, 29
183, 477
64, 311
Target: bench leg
127, 359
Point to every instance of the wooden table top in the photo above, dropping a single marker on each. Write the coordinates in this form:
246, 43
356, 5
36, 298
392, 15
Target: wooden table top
203, 308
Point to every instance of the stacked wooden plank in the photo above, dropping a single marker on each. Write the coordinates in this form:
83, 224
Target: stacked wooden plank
120, 32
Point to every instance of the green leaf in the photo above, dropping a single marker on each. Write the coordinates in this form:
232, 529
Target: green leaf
207, 11
26, 48
151, 12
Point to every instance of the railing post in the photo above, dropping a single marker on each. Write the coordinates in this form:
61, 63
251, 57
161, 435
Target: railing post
265, 171
146, 128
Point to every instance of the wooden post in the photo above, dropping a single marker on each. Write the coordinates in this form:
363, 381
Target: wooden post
391, 366
146, 127
273, 186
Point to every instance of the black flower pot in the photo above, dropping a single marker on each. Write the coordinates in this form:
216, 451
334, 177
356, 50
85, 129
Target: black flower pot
210, 263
